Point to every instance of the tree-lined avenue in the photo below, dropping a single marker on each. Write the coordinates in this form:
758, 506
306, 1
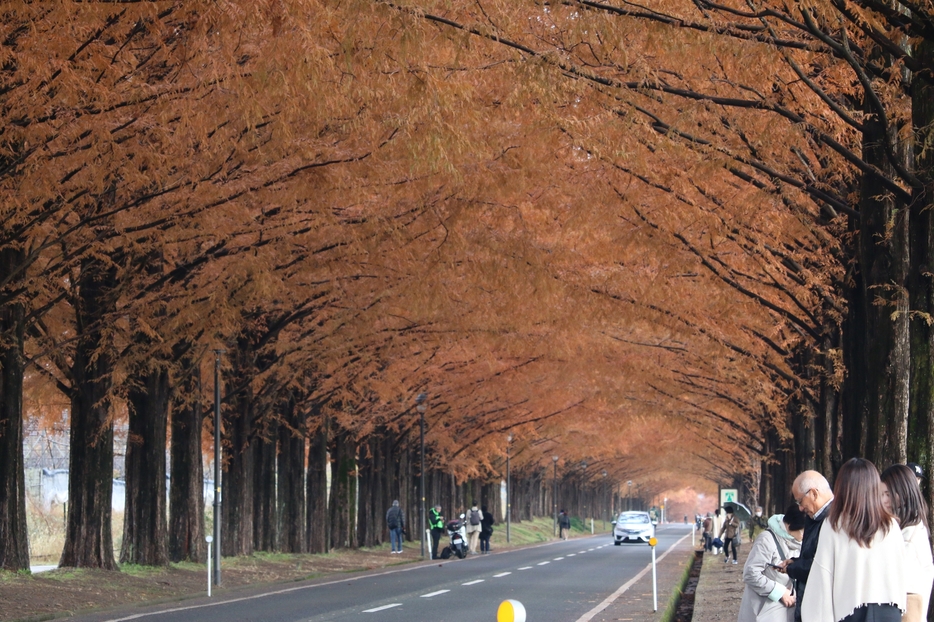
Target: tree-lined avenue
555, 582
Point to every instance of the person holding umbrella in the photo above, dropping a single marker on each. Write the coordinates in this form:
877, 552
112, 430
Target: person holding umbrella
731, 527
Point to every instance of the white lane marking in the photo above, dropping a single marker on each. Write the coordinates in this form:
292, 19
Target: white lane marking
525, 568
375, 609
502, 574
288, 590
558, 559
589, 549
571, 554
430, 594
628, 584
543, 563
474, 582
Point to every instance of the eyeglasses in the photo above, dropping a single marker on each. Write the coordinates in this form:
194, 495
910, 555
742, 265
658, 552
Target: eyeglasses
798, 502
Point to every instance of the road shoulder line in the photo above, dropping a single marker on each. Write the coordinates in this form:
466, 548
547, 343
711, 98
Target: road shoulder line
628, 584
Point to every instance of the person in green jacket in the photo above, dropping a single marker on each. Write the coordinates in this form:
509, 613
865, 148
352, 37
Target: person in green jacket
436, 524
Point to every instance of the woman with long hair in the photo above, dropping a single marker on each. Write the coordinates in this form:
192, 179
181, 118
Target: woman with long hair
858, 572
902, 497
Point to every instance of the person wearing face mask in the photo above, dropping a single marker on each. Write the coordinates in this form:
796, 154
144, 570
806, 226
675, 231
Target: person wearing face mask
757, 521
769, 595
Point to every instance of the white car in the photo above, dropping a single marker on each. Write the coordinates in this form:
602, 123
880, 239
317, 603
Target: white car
633, 527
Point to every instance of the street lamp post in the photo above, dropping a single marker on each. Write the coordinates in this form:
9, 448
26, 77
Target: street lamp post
605, 496
217, 466
554, 494
508, 488
629, 495
584, 488
421, 407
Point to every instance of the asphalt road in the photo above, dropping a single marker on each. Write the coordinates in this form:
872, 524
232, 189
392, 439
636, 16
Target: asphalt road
556, 582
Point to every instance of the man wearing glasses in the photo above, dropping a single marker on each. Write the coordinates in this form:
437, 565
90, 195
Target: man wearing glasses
812, 493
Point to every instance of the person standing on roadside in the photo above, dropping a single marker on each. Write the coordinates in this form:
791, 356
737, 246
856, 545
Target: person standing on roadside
564, 522
486, 529
812, 494
730, 528
769, 595
858, 571
757, 521
474, 520
396, 523
717, 523
902, 497
436, 524
708, 536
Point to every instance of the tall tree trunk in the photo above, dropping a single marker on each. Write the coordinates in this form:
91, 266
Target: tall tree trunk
830, 451
88, 534
921, 416
186, 493
144, 524
366, 480
854, 330
316, 516
265, 521
14, 543
884, 262
342, 505
291, 469
237, 476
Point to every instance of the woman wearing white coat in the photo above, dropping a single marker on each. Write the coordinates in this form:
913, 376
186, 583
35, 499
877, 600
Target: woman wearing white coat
769, 594
902, 497
858, 574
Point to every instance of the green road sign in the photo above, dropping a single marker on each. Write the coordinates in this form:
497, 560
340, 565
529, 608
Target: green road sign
728, 495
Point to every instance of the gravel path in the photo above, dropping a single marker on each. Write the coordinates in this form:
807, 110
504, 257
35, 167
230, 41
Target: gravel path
720, 589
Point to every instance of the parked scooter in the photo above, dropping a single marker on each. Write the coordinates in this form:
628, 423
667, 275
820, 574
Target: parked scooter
458, 535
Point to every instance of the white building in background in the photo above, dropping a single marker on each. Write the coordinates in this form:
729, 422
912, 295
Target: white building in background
45, 458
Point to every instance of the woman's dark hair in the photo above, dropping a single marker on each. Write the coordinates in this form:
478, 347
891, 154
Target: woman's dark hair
857, 505
794, 517
908, 505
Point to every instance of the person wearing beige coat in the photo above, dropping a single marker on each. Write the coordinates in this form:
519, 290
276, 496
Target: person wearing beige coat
769, 595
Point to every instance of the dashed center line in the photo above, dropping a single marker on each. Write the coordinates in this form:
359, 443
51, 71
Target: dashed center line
589, 549
525, 568
474, 582
430, 594
558, 559
375, 609
543, 563
571, 554
502, 574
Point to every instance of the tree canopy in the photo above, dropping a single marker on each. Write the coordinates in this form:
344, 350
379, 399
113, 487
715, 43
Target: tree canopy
681, 243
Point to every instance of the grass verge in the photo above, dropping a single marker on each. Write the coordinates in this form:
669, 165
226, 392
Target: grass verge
540, 529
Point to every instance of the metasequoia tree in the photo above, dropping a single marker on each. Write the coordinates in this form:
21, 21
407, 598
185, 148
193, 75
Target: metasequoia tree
136, 105
543, 217
822, 126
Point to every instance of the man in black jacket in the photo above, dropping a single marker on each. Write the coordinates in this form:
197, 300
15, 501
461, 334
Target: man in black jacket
812, 493
395, 520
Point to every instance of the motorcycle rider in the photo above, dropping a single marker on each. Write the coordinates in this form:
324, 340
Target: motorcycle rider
436, 524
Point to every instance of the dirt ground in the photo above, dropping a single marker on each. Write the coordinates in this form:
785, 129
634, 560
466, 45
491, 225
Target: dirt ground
62, 592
